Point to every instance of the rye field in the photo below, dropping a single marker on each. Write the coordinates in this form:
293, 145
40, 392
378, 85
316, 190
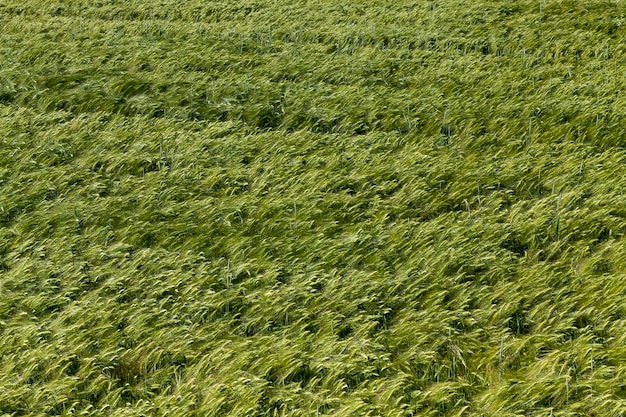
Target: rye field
312, 208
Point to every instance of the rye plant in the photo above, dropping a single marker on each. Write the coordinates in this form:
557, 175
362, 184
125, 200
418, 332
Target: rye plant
263, 208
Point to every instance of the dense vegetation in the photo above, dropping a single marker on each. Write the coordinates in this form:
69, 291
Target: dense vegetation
321, 208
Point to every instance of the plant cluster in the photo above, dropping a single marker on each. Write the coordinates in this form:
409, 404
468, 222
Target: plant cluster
260, 208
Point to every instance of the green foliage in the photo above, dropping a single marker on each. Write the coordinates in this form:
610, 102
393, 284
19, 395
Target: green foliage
261, 208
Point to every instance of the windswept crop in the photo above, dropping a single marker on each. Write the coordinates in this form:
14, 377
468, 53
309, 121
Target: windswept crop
322, 208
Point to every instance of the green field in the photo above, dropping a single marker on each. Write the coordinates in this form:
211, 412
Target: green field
312, 208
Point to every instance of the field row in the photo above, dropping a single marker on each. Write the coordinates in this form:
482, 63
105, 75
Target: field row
347, 77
